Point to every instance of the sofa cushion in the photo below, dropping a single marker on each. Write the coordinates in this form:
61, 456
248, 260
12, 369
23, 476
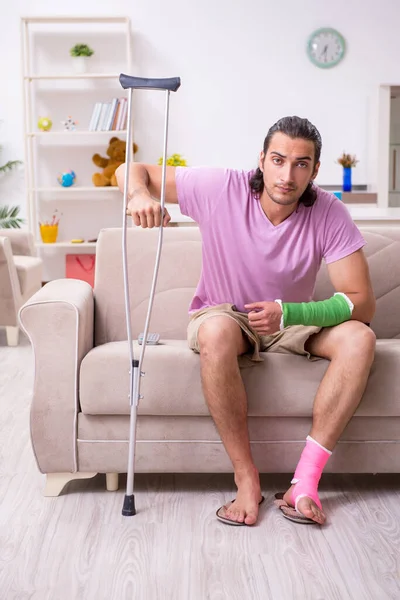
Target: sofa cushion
202, 429
283, 385
29, 270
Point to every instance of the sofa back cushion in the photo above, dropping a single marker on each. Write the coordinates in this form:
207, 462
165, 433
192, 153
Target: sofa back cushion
383, 254
180, 268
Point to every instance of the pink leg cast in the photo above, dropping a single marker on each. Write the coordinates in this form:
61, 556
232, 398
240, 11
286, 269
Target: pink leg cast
308, 472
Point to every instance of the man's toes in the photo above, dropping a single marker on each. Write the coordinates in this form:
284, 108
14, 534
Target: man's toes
241, 517
230, 514
310, 510
233, 514
251, 518
319, 516
311, 514
315, 513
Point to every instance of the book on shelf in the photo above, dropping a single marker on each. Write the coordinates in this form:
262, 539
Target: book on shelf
109, 116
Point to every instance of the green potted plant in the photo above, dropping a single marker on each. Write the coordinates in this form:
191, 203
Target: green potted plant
175, 160
81, 53
9, 218
9, 166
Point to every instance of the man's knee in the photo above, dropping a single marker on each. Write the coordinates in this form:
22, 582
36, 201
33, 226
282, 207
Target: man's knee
221, 336
356, 339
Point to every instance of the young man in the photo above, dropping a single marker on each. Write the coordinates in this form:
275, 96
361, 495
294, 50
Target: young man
264, 236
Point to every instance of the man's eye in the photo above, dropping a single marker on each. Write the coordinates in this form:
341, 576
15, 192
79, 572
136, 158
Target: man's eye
303, 165
277, 161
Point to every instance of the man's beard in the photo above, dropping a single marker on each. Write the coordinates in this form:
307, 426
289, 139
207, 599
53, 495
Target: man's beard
292, 198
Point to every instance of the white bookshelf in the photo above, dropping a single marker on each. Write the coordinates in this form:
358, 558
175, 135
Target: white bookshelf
72, 134
75, 189
52, 89
70, 19
69, 245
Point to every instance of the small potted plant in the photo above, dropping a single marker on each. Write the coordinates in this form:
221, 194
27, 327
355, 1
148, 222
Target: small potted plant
81, 53
9, 218
175, 160
348, 161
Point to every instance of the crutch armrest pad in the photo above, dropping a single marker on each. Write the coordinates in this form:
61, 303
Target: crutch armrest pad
140, 83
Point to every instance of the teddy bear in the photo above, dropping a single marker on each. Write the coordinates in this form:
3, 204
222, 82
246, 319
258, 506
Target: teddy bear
116, 151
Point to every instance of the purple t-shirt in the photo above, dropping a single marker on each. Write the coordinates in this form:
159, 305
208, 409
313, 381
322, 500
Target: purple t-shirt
248, 259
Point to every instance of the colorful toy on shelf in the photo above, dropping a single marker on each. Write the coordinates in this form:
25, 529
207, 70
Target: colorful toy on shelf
116, 151
45, 124
66, 179
69, 124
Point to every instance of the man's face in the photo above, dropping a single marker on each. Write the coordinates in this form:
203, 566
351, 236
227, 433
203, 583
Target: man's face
288, 168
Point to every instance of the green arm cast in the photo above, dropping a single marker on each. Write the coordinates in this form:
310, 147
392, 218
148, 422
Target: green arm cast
324, 313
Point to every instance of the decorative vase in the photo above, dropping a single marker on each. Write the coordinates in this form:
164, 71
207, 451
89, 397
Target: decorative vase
347, 179
80, 64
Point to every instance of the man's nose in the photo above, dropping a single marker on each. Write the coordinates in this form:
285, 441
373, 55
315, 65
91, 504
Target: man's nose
287, 174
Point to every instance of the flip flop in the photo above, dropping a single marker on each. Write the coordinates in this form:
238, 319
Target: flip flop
291, 513
223, 519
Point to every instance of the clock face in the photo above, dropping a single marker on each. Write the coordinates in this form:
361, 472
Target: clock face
326, 48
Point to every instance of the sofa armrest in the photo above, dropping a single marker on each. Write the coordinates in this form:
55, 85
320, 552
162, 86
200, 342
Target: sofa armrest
10, 291
22, 241
58, 319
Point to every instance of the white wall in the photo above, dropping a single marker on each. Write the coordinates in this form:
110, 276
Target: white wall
243, 66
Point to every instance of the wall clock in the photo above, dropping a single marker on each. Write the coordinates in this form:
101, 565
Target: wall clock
326, 47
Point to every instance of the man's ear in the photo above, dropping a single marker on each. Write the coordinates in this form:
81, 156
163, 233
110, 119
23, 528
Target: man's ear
261, 161
316, 169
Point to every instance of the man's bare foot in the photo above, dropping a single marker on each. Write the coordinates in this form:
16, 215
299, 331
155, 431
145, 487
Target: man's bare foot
245, 508
306, 506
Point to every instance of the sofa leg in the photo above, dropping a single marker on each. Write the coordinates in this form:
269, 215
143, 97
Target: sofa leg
56, 481
112, 482
12, 336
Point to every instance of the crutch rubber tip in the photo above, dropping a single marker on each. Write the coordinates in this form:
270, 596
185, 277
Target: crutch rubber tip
129, 510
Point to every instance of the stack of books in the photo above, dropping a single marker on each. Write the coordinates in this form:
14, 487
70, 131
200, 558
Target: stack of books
109, 116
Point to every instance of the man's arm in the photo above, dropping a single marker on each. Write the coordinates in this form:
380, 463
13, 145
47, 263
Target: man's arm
350, 275
148, 177
145, 185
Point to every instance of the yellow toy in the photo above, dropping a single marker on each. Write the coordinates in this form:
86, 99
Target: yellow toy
116, 151
44, 124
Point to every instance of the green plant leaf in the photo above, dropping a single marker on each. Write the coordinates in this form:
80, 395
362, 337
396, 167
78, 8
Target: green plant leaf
10, 166
81, 50
9, 217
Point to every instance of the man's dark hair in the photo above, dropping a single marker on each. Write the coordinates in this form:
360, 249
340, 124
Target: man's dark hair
294, 127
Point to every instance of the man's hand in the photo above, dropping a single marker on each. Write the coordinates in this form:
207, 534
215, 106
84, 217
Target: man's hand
145, 211
264, 317
145, 182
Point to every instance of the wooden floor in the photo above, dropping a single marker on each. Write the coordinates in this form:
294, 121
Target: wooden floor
79, 547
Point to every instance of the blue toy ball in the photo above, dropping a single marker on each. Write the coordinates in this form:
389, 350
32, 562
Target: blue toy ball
66, 179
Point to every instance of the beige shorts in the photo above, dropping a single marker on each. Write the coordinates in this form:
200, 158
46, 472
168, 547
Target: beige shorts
291, 340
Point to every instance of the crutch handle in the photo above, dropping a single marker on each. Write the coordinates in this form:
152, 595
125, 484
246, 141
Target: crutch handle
142, 83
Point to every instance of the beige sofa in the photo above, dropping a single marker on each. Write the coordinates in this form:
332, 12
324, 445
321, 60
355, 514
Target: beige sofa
80, 407
20, 277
